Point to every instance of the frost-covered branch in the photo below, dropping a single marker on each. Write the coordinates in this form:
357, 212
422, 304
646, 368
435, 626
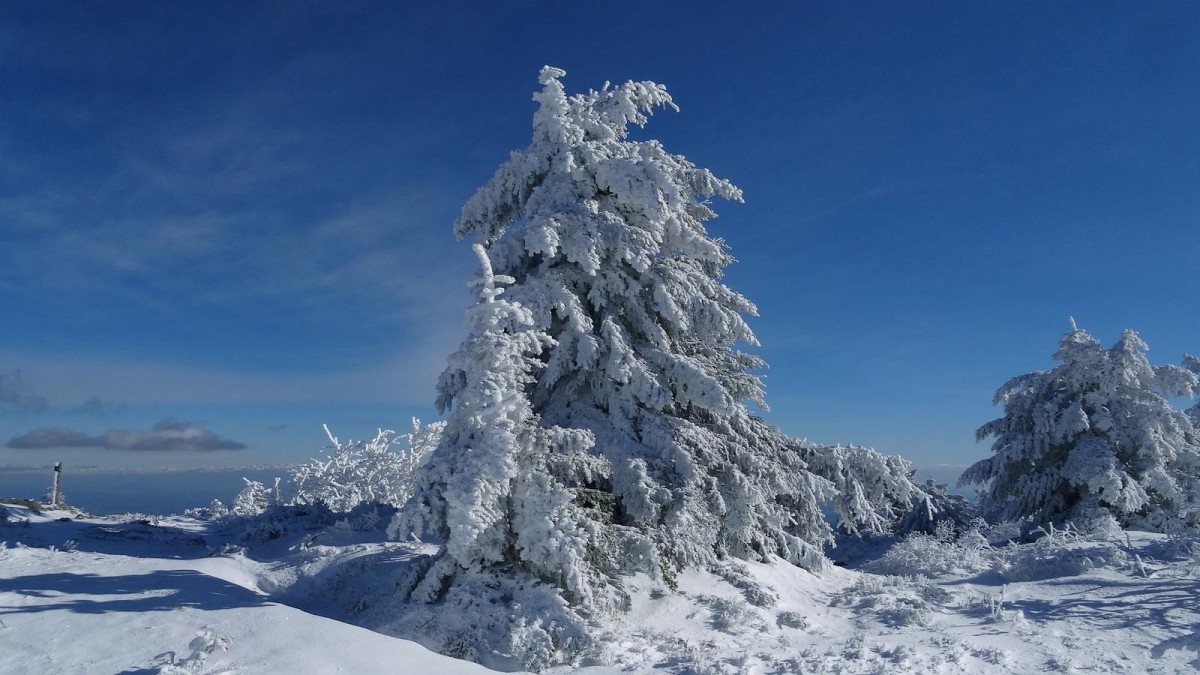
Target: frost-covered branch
872, 490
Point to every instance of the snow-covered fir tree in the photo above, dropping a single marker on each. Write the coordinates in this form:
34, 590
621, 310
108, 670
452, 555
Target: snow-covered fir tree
598, 407
605, 241
1094, 438
254, 498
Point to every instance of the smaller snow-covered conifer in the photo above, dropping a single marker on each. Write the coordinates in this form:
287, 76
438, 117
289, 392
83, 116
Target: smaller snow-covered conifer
254, 498
1094, 436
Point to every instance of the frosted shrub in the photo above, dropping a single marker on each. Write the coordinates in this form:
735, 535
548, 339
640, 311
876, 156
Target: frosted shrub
1183, 546
215, 510
204, 644
934, 555
379, 470
739, 576
1057, 553
731, 615
370, 517
279, 520
998, 533
1094, 437
896, 601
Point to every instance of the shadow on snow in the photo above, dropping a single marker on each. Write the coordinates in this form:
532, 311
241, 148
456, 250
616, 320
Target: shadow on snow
157, 591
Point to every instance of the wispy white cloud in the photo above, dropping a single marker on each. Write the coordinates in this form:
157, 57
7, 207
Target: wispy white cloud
237, 212
378, 260
226, 203
407, 377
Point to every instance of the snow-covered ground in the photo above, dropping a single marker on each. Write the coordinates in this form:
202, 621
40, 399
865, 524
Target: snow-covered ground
95, 596
174, 595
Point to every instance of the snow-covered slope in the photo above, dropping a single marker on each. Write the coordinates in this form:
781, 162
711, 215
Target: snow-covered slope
141, 598
91, 595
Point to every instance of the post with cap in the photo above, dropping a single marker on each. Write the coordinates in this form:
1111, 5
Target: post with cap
56, 493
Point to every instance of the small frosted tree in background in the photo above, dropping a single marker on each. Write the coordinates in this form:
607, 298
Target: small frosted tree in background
381, 470
254, 498
1093, 438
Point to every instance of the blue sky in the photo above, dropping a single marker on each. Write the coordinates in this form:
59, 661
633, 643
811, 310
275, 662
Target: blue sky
233, 219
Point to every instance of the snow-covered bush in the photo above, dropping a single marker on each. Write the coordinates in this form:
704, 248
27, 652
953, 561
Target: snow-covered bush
736, 574
938, 554
215, 510
1177, 546
1057, 553
895, 601
599, 422
1092, 438
1052, 553
379, 470
206, 642
370, 516
731, 615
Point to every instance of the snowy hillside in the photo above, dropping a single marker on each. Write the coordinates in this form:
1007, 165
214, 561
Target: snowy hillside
93, 596
99, 595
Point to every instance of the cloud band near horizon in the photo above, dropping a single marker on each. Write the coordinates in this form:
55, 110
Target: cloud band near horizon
168, 435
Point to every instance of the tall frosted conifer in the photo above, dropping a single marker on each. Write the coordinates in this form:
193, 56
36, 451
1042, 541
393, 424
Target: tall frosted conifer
598, 422
1094, 437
